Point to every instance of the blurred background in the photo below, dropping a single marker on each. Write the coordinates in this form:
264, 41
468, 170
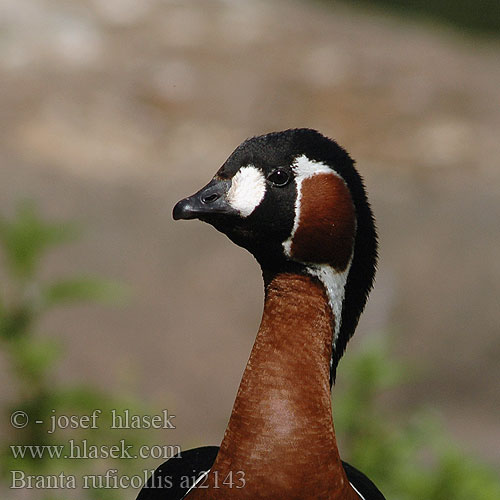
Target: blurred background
113, 110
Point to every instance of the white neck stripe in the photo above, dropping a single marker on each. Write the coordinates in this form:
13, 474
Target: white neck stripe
334, 283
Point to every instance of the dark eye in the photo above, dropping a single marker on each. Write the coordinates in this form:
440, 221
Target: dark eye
279, 177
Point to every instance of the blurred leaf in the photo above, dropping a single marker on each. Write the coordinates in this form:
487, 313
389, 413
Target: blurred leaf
33, 357
16, 322
81, 289
27, 237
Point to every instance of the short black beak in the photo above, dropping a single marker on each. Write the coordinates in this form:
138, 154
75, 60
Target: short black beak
207, 201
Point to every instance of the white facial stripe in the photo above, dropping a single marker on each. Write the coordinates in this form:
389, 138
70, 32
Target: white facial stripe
303, 168
248, 187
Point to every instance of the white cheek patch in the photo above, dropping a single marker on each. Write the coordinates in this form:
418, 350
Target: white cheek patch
303, 168
248, 187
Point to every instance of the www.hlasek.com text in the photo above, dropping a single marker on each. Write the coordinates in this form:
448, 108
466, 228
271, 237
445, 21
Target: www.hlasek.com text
78, 450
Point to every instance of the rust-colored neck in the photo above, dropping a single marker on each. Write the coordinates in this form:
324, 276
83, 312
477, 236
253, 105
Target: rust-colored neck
280, 437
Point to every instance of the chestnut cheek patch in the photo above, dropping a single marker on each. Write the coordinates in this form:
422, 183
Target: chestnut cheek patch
325, 220
327, 223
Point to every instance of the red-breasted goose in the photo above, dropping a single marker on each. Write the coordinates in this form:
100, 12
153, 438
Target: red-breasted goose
296, 202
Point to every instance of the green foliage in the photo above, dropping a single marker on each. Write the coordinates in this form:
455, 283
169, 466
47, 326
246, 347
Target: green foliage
482, 16
32, 358
79, 289
413, 461
27, 238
